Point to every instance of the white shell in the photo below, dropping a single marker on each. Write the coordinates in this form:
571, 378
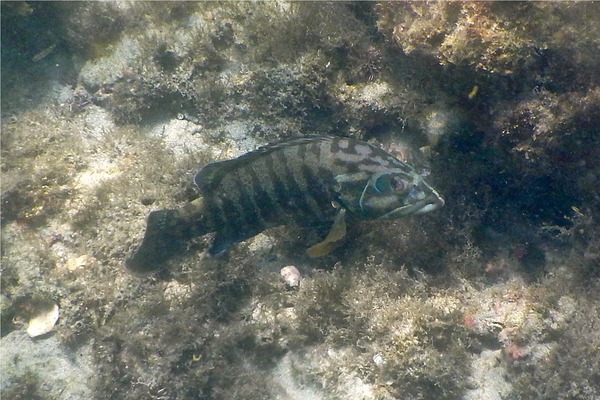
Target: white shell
43, 321
291, 276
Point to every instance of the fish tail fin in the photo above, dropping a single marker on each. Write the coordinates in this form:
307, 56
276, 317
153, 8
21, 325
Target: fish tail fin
165, 236
158, 244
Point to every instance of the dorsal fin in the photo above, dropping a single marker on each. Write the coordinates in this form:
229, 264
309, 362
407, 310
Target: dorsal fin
211, 174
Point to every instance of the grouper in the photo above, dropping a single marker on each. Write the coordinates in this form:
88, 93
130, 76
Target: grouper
310, 181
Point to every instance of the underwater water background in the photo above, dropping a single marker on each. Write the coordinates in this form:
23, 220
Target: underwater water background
109, 108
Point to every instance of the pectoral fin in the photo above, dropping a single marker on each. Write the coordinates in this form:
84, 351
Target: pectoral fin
335, 235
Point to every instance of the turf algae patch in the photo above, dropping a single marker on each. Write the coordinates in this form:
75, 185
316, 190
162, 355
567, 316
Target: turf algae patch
505, 39
401, 341
35, 191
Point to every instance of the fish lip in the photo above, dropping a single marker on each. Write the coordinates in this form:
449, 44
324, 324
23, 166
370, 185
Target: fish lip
430, 203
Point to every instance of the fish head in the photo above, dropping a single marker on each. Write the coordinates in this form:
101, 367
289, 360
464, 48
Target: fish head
394, 195
389, 194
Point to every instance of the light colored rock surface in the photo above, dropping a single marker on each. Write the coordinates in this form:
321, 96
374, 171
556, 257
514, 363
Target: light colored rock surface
56, 373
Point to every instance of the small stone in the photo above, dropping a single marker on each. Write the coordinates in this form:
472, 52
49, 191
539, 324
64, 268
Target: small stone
43, 320
75, 263
148, 201
291, 276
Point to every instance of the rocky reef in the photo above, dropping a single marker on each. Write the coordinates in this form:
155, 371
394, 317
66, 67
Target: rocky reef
108, 109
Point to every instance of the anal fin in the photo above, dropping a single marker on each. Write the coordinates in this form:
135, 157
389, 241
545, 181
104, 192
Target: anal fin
225, 238
220, 244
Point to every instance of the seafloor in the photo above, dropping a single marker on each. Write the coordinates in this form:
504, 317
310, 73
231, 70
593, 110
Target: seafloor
108, 108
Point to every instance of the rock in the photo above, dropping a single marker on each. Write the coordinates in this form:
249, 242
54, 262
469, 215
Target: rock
291, 276
76, 263
44, 369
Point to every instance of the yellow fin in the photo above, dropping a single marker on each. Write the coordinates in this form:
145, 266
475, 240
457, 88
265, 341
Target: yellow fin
337, 233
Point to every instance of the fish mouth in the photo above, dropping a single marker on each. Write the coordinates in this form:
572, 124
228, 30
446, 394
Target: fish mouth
428, 204
431, 202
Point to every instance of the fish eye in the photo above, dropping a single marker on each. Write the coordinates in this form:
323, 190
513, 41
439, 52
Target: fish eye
389, 183
397, 184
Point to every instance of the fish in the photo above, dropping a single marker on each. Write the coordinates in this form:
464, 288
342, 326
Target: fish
313, 181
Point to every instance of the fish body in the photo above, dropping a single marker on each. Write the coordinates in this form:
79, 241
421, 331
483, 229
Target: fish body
309, 181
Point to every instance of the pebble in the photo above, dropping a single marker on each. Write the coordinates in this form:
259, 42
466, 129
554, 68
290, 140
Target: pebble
378, 359
76, 263
291, 276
